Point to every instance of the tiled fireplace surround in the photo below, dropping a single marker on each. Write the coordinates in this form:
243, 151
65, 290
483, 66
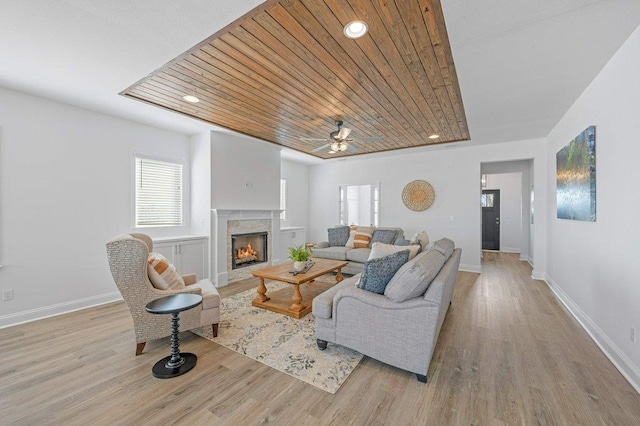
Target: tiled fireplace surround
228, 222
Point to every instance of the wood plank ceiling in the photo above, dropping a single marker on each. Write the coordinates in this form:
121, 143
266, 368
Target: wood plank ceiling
285, 72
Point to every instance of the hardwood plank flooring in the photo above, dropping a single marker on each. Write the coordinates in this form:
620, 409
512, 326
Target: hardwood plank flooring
508, 353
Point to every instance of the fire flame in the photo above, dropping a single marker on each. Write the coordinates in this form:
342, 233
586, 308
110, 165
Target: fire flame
242, 252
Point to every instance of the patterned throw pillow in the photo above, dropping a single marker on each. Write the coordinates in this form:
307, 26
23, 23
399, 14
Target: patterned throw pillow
338, 236
162, 274
387, 236
362, 237
378, 272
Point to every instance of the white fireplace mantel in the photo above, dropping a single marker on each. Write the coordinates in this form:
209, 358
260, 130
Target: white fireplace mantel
219, 220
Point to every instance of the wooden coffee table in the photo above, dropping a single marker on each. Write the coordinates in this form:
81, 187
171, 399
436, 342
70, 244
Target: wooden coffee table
294, 306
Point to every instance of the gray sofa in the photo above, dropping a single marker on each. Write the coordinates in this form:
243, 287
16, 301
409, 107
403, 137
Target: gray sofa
400, 334
355, 256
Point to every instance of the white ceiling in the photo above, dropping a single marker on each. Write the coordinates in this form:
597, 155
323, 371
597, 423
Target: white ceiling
520, 63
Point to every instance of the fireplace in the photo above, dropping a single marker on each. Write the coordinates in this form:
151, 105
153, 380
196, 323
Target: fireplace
248, 249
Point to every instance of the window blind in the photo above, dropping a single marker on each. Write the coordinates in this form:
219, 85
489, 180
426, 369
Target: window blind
158, 193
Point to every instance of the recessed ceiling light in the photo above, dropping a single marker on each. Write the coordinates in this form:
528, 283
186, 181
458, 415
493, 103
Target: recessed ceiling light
355, 29
434, 136
191, 99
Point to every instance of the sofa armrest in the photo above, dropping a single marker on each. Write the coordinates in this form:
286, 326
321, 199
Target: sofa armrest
322, 244
323, 303
379, 301
190, 279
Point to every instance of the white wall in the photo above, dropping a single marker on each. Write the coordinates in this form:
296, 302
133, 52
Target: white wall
455, 176
510, 186
297, 176
245, 173
65, 189
593, 266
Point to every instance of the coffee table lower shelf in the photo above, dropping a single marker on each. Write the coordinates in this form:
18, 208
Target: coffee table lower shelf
280, 301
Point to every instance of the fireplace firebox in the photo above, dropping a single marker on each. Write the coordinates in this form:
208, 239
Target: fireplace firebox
248, 249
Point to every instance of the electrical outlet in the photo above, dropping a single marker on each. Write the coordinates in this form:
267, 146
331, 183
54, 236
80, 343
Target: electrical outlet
7, 294
633, 335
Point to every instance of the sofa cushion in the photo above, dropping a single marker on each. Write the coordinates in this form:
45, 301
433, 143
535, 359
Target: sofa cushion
362, 237
359, 254
336, 253
387, 236
378, 272
338, 236
445, 246
162, 274
415, 276
379, 250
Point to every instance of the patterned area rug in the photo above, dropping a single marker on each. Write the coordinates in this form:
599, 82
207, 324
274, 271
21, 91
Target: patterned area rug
281, 342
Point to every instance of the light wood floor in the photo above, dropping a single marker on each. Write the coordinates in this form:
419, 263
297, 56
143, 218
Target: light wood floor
508, 353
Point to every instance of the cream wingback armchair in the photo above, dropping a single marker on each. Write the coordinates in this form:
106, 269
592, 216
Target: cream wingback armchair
128, 256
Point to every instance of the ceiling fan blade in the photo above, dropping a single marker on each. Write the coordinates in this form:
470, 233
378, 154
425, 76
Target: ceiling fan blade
313, 139
320, 148
352, 148
343, 133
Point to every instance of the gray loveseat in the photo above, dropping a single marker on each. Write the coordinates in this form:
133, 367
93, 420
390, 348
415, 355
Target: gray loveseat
400, 334
355, 256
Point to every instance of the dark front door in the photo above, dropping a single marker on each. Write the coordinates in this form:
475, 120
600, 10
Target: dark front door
491, 219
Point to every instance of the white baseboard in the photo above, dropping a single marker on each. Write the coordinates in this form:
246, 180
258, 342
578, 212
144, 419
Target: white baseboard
524, 258
538, 275
511, 249
630, 371
470, 268
57, 309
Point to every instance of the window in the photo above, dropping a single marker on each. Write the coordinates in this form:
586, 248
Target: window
158, 193
283, 199
487, 200
359, 205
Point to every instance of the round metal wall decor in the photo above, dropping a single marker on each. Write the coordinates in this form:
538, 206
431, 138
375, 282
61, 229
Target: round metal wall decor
418, 195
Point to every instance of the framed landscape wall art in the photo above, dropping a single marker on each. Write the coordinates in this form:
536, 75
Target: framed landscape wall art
576, 178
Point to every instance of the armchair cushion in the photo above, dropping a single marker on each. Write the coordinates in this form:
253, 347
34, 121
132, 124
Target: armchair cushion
338, 236
210, 296
415, 276
378, 272
162, 274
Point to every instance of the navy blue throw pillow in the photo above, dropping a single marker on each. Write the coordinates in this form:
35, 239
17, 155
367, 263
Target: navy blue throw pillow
378, 272
338, 236
387, 236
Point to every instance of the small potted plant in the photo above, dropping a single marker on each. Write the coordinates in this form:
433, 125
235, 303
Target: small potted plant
299, 255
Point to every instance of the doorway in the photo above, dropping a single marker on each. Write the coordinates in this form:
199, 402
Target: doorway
490, 219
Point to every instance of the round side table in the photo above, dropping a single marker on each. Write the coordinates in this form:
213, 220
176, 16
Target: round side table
177, 363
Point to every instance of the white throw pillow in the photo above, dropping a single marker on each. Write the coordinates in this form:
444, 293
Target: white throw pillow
379, 250
423, 237
352, 236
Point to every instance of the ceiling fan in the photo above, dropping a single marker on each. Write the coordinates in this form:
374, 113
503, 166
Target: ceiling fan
338, 140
